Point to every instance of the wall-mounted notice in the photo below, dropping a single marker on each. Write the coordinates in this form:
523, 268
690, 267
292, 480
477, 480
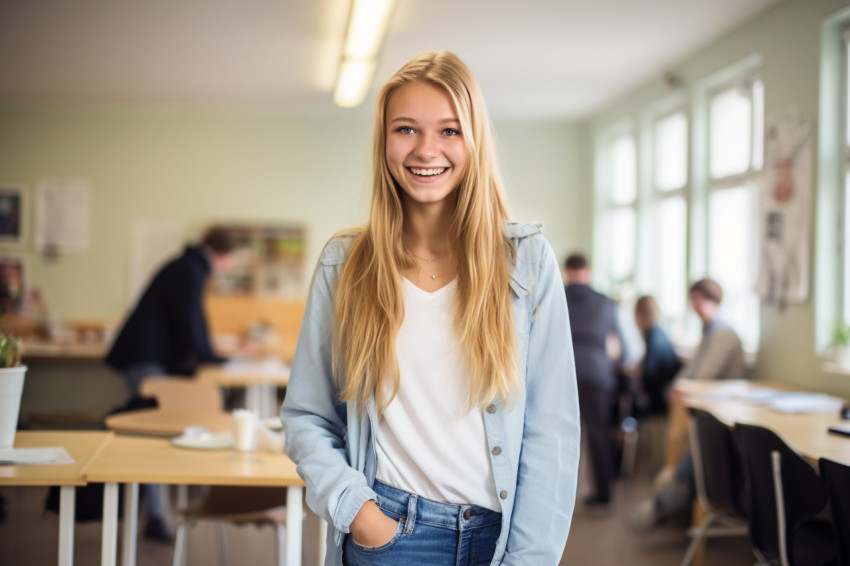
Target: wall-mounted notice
62, 216
152, 243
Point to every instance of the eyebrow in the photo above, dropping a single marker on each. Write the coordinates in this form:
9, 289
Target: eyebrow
406, 119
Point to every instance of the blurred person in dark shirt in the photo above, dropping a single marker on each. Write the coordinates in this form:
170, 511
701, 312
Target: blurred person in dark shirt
597, 342
166, 334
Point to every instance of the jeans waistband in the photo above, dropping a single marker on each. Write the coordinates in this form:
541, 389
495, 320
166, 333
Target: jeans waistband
434, 513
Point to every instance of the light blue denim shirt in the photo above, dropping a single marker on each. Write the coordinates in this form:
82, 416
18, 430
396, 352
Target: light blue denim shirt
536, 470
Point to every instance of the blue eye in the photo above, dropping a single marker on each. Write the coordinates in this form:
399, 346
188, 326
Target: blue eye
451, 132
406, 130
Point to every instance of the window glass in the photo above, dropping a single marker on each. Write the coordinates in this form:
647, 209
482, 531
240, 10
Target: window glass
731, 258
623, 170
621, 223
758, 125
671, 150
730, 132
671, 271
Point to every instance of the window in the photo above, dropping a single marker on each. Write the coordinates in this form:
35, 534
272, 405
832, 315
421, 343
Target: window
735, 156
666, 228
615, 253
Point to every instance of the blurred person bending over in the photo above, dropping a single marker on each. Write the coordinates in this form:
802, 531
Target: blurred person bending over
720, 355
598, 343
166, 334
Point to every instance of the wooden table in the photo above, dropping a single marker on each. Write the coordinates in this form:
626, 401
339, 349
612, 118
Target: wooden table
82, 446
806, 433
260, 378
156, 422
135, 460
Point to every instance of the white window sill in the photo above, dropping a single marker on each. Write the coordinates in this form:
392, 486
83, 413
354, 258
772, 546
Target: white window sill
835, 369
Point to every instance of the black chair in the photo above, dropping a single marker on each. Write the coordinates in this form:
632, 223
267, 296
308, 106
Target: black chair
785, 498
719, 481
836, 478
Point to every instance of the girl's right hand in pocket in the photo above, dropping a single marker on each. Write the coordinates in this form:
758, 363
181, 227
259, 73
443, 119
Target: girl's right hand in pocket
371, 528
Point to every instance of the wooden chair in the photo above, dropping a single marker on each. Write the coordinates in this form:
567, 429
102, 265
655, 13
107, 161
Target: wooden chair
222, 504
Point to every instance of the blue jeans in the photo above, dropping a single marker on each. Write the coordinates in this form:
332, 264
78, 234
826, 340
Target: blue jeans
429, 533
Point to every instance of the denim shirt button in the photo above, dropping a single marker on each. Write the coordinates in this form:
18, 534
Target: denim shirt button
491, 408
497, 450
503, 494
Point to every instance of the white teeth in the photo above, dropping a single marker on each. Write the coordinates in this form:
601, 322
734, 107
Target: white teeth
427, 172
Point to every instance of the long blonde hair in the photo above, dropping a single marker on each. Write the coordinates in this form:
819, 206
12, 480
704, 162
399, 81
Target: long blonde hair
369, 305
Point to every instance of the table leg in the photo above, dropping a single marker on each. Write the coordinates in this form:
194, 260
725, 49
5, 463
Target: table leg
67, 504
323, 540
294, 524
131, 527
254, 398
109, 538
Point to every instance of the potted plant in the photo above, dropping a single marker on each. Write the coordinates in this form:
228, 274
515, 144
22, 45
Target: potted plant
11, 387
841, 345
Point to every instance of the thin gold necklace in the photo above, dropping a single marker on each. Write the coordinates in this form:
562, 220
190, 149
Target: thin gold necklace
428, 261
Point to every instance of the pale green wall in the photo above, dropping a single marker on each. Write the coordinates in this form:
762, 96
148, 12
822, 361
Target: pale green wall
197, 167
788, 39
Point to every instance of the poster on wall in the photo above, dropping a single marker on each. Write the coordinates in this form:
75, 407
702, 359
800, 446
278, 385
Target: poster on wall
152, 244
12, 215
785, 195
62, 216
269, 261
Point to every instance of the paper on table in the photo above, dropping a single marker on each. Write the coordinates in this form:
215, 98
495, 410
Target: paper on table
30, 456
268, 366
795, 402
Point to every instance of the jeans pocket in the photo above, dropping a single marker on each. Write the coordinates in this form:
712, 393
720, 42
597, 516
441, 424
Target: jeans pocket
384, 547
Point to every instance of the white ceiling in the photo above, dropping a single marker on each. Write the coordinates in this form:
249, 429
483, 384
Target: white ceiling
549, 58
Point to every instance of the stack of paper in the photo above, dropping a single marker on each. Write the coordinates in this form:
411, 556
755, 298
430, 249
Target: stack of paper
31, 456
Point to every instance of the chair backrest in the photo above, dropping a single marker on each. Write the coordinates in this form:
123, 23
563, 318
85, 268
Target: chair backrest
717, 462
182, 394
802, 491
836, 478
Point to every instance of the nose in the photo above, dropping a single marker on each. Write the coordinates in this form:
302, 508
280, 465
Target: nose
427, 146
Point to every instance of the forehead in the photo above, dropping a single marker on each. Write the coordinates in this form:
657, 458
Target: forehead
421, 101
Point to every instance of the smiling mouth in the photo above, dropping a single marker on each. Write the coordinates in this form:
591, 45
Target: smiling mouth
427, 172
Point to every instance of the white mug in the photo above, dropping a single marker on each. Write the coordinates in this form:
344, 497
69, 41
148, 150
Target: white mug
245, 430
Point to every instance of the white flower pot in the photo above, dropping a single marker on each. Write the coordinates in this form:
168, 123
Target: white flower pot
11, 388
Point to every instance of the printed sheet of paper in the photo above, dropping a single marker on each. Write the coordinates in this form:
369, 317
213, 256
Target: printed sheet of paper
153, 243
33, 456
62, 215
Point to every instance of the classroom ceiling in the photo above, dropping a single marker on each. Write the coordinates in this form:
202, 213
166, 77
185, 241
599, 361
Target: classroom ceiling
535, 58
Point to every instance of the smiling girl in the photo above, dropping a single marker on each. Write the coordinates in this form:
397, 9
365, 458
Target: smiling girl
432, 406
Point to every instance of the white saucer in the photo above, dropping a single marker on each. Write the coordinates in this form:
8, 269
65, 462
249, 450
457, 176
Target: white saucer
204, 441
273, 423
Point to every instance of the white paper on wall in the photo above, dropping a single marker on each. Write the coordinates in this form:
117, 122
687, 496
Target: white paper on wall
153, 243
785, 196
62, 215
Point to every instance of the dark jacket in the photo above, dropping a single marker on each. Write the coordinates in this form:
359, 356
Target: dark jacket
660, 366
168, 326
593, 317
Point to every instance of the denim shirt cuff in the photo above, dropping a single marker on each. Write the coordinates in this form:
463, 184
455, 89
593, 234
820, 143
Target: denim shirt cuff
349, 504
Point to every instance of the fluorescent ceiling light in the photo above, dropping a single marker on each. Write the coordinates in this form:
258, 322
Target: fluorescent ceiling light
367, 25
366, 28
353, 82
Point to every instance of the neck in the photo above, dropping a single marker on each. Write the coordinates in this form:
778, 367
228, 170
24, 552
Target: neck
427, 229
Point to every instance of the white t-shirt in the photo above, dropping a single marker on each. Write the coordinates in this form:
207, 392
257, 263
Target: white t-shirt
428, 442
